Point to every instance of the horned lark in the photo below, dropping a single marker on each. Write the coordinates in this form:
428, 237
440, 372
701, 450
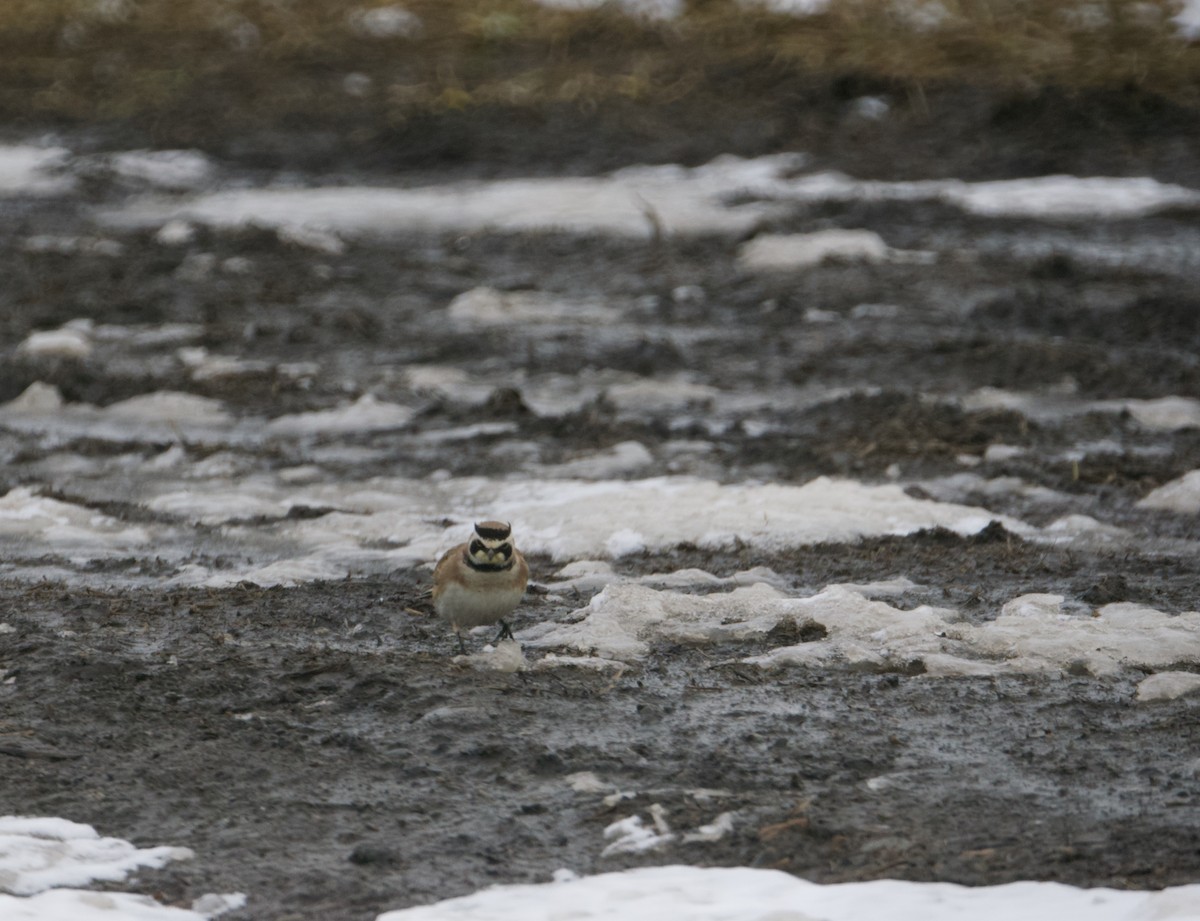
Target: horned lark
481, 581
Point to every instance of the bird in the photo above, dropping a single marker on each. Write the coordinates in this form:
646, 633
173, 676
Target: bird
480, 581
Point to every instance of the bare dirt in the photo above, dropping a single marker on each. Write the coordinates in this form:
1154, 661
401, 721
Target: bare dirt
319, 750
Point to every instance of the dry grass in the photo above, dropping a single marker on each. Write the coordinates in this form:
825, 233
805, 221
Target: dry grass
183, 66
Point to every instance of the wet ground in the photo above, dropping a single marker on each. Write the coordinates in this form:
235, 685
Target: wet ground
319, 749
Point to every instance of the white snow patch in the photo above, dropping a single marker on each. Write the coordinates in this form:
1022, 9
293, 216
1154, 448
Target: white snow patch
1187, 19
781, 252
171, 170
622, 458
1034, 633
158, 417
638, 202
72, 341
383, 22
366, 414
175, 233
505, 657
588, 782
645, 9
43, 853
1181, 496
576, 520
30, 170
1165, 414
282, 572
84, 905
622, 620
203, 366
489, 307
729, 195
64, 527
790, 7
592, 663
1168, 686
631, 836
742, 894
715, 830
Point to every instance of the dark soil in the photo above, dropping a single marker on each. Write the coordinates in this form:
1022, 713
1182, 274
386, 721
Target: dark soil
320, 751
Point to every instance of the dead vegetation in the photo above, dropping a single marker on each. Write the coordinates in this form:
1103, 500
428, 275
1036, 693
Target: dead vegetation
181, 68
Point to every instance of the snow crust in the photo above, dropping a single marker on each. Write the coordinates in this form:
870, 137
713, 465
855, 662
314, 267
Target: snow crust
29, 170
646, 201
44, 853
42, 859
1181, 496
1033, 633
742, 894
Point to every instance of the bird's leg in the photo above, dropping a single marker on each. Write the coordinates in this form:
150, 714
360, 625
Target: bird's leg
505, 632
462, 647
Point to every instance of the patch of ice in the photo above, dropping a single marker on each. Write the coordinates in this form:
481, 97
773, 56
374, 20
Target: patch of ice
72, 341
1167, 686
591, 663
575, 520
646, 201
158, 417
312, 238
1160, 415
625, 457
1181, 496
505, 657
384, 22
587, 782
790, 7
1071, 197
623, 620
631, 836
883, 588
63, 527
205, 367
782, 252
29, 170
366, 414
37, 854
999, 453
1034, 633
175, 233
646, 9
85, 905
660, 394
1165, 414
489, 307
715, 830
1187, 19
170, 170
637, 202
592, 575
1079, 527
743, 894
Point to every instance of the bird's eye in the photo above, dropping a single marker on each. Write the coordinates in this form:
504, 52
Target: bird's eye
504, 550
476, 547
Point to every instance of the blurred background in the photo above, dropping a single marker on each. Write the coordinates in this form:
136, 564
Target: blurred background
890, 88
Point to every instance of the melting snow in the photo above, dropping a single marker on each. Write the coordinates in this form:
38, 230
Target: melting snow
1034, 633
29, 170
741, 894
40, 856
646, 201
1181, 495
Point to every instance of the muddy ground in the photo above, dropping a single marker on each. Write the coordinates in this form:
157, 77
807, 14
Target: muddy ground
318, 749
